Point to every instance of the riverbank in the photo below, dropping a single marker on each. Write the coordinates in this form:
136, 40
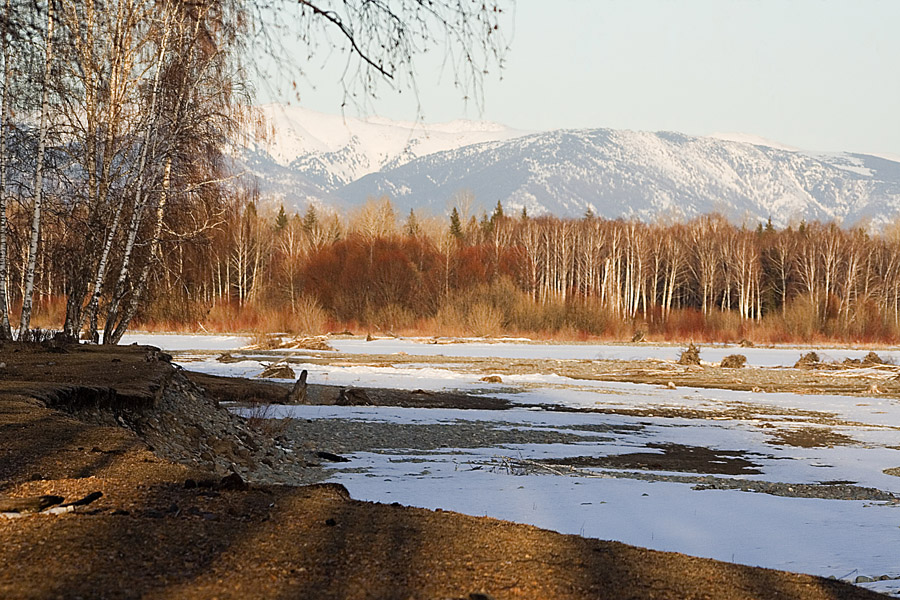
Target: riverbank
196, 514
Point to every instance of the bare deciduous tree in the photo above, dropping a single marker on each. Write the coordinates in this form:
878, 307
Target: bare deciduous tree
37, 202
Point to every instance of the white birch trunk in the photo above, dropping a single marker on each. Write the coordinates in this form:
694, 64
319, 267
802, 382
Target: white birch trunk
28, 292
141, 286
85, 46
5, 329
117, 80
140, 199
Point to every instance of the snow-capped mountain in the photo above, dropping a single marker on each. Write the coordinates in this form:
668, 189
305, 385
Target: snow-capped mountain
613, 173
646, 175
303, 155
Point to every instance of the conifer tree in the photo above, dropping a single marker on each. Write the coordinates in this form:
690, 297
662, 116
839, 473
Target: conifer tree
310, 219
498, 213
411, 229
455, 225
281, 220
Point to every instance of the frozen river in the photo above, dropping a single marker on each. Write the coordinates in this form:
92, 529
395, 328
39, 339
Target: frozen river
831, 537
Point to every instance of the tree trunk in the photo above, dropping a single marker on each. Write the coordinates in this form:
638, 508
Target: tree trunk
94, 304
117, 82
141, 285
28, 293
5, 329
140, 202
86, 47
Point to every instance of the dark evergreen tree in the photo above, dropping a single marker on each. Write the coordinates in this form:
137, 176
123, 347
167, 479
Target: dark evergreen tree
498, 213
411, 229
281, 220
455, 224
310, 219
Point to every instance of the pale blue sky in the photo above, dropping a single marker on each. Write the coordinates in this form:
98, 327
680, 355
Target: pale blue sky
816, 74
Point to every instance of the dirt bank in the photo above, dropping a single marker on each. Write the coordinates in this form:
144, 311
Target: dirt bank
81, 420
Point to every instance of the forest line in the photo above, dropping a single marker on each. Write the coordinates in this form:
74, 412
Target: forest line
375, 271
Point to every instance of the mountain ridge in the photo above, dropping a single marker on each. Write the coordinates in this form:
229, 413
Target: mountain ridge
611, 173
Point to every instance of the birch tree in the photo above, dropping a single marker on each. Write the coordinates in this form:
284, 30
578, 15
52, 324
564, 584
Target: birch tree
779, 260
744, 258
194, 122
140, 192
292, 251
117, 96
676, 258
6, 41
43, 134
705, 260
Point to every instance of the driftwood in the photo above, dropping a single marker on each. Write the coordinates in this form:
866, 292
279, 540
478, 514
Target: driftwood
873, 371
810, 360
733, 361
297, 395
690, 356
319, 342
522, 466
71, 506
32, 504
277, 371
331, 457
228, 358
46, 504
353, 397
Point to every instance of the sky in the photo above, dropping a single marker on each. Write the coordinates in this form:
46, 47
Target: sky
812, 74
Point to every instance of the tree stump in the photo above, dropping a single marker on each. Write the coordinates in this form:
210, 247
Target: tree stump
297, 395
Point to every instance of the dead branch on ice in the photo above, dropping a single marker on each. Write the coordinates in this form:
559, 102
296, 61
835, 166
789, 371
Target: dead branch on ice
523, 466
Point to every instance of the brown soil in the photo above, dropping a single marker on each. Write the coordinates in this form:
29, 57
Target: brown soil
818, 437
153, 536
673, 457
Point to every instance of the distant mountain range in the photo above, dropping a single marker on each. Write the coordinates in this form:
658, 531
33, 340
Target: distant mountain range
329, 160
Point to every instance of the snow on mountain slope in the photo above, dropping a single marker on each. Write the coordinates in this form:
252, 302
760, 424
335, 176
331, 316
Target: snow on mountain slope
333, 150
309, 157
278, 184
645, 175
